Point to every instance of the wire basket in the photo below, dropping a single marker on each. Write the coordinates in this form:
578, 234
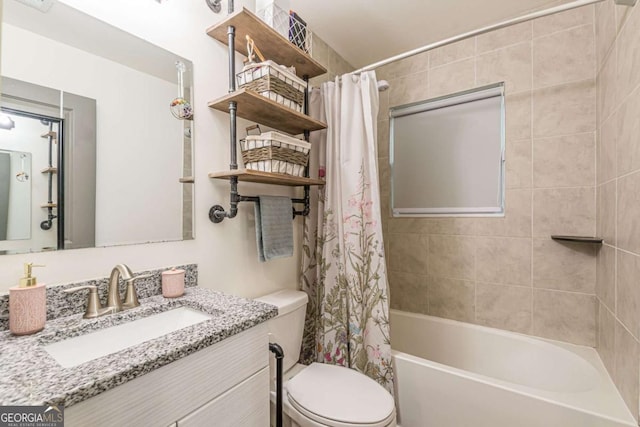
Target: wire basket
275, 152
289, 25
274, 82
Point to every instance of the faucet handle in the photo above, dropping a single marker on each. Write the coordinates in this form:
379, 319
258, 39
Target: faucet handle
94, 307
131, 297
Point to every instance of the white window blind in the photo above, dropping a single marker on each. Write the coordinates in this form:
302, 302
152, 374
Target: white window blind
447, 155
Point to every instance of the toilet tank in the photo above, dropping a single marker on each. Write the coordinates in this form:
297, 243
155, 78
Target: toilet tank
286, 329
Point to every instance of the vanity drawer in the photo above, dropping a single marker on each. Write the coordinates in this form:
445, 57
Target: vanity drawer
243, 405
174, 391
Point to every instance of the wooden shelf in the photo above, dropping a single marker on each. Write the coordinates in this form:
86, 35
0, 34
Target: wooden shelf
266, 177
49, 170
49, 205
260, 109
271, 43
578, 239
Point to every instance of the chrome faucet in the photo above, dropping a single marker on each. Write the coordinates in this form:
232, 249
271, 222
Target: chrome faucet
131, 296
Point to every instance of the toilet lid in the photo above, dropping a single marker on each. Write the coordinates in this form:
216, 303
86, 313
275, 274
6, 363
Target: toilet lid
327, 393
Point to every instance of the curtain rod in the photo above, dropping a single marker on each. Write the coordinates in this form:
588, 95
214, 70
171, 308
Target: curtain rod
507, 23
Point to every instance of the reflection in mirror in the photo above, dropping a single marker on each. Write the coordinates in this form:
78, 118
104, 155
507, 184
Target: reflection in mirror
111, 173
15, 195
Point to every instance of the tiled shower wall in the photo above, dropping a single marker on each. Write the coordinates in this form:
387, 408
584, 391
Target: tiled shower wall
507, 272
335, 64
618, 190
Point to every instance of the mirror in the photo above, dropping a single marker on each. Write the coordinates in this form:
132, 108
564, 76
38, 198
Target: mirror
15, 195
108, 162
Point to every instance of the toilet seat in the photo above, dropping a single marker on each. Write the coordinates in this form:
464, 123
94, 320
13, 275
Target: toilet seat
340, 397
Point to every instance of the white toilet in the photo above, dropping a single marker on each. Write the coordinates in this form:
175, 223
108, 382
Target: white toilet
321, 395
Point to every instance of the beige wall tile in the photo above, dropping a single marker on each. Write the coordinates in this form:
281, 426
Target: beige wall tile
511, 65
628, 45
408, 292
453, 226
452, 299
606, 277
384, 175
518, 164
628, 126
626, 375
503, 261
606, 338
628, 291
383, 110
337, 64
320, 51
564, 266
564, 110
410, 225
606, 89
565, 161
563, 57
605, 27
452, 257
383, 138
518, 116
408, 253
407, 89
607, 146
628, 213
564, 211
407, 66
513, 34
564, 316
562, 21
452, 53
452, 78
517, 219
505, 307
606, 218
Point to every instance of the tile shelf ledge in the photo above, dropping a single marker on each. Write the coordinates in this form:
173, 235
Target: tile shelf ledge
577, 239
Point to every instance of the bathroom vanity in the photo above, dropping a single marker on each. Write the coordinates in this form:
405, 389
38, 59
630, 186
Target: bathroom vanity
213, 372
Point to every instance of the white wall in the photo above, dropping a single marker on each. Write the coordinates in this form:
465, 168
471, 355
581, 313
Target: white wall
226, 252
25, 137
134, 148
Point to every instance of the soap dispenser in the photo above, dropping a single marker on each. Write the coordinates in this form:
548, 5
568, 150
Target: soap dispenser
27, 304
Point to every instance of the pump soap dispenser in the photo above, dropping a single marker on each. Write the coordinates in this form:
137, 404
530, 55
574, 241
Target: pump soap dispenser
27, 304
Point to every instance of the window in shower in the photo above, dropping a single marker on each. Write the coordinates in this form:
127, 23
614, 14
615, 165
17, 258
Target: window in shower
447, 155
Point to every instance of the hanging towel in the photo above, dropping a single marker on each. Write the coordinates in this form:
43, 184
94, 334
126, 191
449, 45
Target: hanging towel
274, 228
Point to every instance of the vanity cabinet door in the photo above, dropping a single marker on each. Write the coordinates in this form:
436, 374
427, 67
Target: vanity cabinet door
245, 405
179, 389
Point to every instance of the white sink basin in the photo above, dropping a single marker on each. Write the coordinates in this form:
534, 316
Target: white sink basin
84, 348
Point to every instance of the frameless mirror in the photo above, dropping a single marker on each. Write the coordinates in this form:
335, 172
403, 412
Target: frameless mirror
107, 161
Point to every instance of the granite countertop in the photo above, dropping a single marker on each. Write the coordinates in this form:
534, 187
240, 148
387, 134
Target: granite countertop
30, 376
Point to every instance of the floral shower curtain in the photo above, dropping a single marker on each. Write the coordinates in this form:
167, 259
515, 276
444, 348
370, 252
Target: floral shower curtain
344, 270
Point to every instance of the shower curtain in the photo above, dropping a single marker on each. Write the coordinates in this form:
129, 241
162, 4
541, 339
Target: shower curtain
344, 270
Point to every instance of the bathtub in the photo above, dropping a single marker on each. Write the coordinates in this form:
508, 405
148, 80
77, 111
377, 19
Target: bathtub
454, 374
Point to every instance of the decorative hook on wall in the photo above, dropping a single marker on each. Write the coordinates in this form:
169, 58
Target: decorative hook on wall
22, 176
180, 107
214, 5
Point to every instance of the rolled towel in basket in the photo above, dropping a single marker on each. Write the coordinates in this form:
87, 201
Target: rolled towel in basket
274, 227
